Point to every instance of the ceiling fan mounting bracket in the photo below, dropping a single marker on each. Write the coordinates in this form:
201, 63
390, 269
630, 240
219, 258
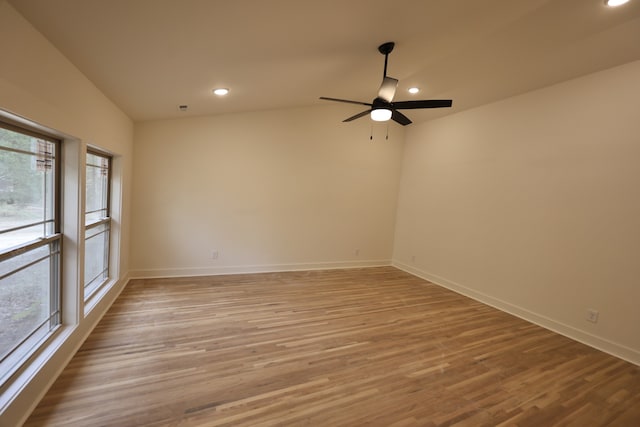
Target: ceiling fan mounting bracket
386, 48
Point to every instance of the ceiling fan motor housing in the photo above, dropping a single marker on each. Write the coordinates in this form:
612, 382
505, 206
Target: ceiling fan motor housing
380, 103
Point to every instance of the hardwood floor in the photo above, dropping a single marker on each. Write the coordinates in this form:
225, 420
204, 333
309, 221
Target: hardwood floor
371, 346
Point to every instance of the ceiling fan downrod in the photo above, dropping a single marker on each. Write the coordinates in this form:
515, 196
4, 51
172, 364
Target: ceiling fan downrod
386, 49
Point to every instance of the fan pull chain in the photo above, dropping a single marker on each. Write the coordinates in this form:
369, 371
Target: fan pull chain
387, 138
371, 136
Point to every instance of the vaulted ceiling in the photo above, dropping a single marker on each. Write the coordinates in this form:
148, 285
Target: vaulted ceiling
149, 56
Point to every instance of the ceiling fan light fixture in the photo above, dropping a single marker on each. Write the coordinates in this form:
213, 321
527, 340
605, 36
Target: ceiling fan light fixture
615, 3
413, 90
381, 114
221, 91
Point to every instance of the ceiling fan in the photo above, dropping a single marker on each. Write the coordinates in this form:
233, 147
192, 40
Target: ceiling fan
383, 108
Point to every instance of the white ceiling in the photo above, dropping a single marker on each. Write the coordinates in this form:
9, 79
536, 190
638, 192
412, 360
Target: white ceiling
149, 56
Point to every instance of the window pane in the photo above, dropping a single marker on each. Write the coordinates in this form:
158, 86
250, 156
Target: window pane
27, 187
14, 238
96, 261
14, 263
16, 140
97, 188
26, 297
30, 281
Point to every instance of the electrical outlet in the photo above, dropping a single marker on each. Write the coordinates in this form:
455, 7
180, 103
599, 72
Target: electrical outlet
592, 315
214, 254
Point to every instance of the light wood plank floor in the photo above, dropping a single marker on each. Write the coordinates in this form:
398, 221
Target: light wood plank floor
356, 347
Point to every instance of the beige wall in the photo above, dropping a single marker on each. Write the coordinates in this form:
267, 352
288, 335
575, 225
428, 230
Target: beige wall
39, 84
273, 190
532, 204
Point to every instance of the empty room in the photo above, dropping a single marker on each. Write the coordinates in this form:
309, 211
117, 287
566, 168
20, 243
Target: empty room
321, 213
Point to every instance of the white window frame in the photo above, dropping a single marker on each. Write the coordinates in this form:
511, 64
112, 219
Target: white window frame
14, 360
95, 283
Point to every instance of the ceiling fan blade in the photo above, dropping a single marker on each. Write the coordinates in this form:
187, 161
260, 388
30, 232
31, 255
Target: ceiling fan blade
398, 117
357, 116
427, 103
388, 88
345, 100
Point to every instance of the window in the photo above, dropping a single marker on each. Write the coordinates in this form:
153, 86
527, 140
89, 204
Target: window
30, 243
97, 222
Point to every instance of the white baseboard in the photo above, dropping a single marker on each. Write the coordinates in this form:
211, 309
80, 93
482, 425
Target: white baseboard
602, 344
244, 269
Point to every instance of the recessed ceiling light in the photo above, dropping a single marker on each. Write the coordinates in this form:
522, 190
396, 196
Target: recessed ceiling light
221, 91
414, 89
615, 3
